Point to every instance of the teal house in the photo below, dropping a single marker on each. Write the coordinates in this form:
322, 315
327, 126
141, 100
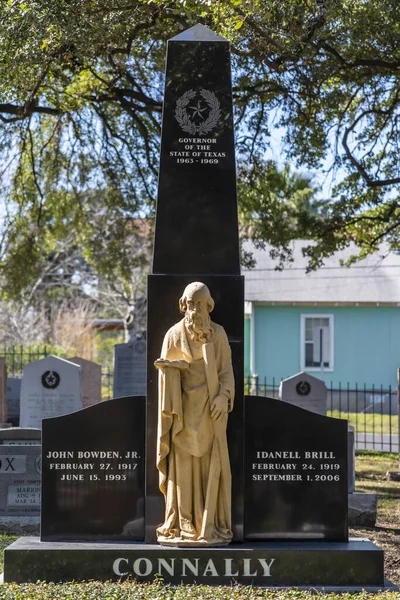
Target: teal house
339, 324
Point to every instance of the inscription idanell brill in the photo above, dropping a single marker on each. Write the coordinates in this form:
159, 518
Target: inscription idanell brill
295, 454
308, 462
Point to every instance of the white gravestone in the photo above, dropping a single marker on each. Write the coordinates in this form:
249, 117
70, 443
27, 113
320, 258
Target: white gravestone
50, 387
305, 391
13, 399
91, 380
130, 368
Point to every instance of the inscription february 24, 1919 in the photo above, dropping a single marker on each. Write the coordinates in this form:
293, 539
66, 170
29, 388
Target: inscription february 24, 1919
307, 465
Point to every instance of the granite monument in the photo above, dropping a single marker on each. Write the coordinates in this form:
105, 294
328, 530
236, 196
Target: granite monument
287, 525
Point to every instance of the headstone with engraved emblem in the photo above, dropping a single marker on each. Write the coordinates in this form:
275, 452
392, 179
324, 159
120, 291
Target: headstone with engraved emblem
130, 367
50, 387
305, 391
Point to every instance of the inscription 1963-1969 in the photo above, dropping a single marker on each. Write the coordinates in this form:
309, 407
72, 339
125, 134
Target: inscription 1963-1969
197, 150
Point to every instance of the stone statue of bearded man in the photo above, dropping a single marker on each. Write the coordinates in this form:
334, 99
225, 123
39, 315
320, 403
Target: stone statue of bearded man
196, 392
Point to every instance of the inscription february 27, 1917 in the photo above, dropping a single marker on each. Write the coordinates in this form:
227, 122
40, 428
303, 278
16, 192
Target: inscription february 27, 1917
93, 465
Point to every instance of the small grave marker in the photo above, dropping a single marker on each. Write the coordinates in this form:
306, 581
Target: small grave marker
305, 391
130, 367
91, 380
13, 400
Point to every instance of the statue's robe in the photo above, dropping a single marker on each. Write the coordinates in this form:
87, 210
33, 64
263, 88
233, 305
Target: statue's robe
194, 470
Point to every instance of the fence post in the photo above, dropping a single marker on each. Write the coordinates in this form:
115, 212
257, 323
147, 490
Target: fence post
398, 413
395, 475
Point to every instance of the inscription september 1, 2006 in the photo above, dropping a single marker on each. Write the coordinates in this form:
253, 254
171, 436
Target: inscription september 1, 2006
312, 466
93, 465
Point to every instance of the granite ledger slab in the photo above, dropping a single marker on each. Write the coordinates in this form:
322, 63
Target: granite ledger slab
353, 565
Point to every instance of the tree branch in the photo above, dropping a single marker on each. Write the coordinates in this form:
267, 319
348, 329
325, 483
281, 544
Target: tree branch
24, 111
373, 183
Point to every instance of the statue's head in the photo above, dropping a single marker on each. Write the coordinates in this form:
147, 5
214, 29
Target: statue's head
197, 303
195, 293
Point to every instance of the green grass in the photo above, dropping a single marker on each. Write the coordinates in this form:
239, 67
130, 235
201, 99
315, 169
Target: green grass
5, 540
368, 422
371, 468
157, 591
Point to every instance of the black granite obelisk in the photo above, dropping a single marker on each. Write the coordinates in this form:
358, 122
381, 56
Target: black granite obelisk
196, 236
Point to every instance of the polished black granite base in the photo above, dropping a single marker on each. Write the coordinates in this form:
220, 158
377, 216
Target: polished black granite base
357, 564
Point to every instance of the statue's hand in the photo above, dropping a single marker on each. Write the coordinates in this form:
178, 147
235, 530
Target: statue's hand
219, 407
162, 363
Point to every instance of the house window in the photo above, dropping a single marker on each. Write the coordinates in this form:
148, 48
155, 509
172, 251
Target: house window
317, 342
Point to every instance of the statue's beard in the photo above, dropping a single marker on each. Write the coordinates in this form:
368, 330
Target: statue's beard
198, 327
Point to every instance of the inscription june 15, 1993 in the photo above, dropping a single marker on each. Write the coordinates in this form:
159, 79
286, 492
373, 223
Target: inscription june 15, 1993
309, 465
93, 465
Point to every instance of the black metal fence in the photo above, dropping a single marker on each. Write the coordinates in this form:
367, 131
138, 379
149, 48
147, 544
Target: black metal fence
107, 382
373, 411
17, 357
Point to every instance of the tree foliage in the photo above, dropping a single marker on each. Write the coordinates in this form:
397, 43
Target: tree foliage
81, 86
271, 198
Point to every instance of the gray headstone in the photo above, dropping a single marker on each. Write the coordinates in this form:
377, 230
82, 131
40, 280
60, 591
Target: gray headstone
13, 399
130, 368
305, 391
20, 474
25, 436
362, 509
351, 458
91, 380
50, 387
3, 393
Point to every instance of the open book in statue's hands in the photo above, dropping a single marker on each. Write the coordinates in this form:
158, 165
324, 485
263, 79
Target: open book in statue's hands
162, 363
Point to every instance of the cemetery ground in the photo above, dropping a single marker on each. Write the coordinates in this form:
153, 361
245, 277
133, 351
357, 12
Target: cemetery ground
371, 468
368, 422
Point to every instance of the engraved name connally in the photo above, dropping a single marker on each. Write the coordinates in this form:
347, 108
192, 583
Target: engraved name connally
184, 567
